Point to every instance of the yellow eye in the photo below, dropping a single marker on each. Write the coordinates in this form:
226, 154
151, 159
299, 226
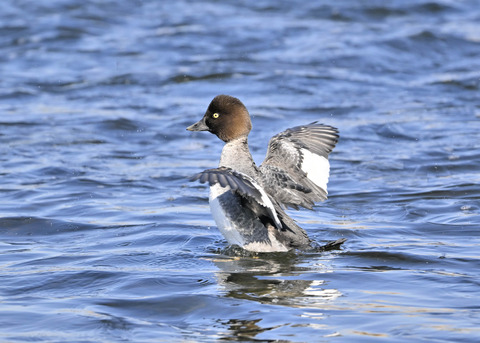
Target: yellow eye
215, 115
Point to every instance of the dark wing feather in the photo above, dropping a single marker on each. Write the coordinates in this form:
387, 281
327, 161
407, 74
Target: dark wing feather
282, 173
245, 187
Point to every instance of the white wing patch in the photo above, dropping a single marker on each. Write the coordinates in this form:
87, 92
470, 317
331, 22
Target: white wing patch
316, 167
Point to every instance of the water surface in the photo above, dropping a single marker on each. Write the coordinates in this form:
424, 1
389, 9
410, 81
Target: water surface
103, 238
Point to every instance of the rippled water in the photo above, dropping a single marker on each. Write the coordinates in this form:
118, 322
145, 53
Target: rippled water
103, 239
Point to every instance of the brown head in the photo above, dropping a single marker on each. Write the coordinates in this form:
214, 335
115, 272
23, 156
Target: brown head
227, 117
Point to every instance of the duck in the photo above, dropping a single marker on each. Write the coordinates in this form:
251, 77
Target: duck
249, 202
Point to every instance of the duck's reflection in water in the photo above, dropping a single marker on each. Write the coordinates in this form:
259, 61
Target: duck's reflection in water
286, 280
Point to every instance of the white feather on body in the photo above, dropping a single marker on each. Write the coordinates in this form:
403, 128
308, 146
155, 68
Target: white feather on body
274, 246
226, 226
229, 229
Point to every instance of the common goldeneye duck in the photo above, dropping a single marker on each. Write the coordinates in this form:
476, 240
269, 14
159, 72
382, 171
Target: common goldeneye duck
247, 201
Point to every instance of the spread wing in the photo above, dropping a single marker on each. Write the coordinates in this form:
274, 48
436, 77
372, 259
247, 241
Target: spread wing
296, 168
257, 199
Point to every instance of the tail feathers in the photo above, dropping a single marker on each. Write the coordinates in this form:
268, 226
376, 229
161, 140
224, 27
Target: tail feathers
332, 245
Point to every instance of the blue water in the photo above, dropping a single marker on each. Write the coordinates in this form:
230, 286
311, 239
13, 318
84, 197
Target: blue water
102, 237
